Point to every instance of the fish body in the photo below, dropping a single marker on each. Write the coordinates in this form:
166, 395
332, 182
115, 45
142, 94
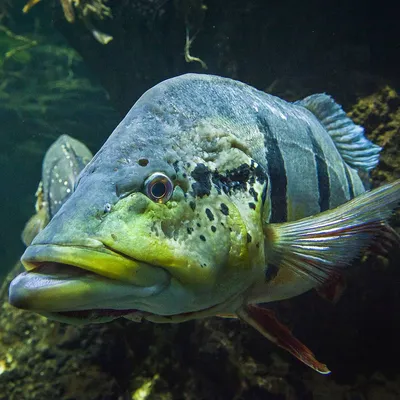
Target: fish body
209, 197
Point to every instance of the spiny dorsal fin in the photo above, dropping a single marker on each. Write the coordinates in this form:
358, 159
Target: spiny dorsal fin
357, 151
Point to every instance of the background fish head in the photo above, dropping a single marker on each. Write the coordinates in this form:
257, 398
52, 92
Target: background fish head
112, 249
62, 163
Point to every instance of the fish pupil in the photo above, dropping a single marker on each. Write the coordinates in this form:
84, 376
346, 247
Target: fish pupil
158, 190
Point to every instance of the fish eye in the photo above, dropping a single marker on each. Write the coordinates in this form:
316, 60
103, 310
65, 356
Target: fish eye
158, 187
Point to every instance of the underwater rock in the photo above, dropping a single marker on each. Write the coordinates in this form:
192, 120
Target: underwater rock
41, 360
379, 113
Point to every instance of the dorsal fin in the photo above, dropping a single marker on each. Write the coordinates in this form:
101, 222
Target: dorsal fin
357, 151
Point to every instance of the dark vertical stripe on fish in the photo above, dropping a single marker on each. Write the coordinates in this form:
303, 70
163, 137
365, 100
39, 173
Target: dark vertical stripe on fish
324, 185
264, 192
276, 172
349, 182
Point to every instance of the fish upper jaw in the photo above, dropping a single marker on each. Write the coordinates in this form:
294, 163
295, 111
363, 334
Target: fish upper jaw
91, 255
64, 278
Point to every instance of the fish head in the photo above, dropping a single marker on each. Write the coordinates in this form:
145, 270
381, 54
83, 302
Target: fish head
161, 225
62, 163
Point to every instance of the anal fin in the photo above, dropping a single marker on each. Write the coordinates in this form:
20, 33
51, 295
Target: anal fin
267, 324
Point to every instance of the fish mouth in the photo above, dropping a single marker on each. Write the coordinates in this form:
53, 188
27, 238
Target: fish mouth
77, 282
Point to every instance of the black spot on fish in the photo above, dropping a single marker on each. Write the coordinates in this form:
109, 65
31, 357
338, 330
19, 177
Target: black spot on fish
189, 230
258, 245
252, 206
271, 271
198, 225
260, 174
176, 167
238, 178
240, 175
201, 174
202, 238
213, 228
264, 193
234, 179
114, 236
254, 194
143, 162
210, 215
248, 238
184, 175
224, 209
192, 205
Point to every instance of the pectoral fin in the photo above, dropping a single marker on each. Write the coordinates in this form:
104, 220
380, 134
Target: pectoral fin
266, 323
317, 247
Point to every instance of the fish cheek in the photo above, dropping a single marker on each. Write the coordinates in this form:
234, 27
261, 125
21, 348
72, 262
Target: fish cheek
147, 231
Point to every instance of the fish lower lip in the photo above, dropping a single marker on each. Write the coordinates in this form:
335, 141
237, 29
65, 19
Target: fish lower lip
53, 287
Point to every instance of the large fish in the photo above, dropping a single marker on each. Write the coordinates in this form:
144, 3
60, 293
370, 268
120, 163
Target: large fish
208, 198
